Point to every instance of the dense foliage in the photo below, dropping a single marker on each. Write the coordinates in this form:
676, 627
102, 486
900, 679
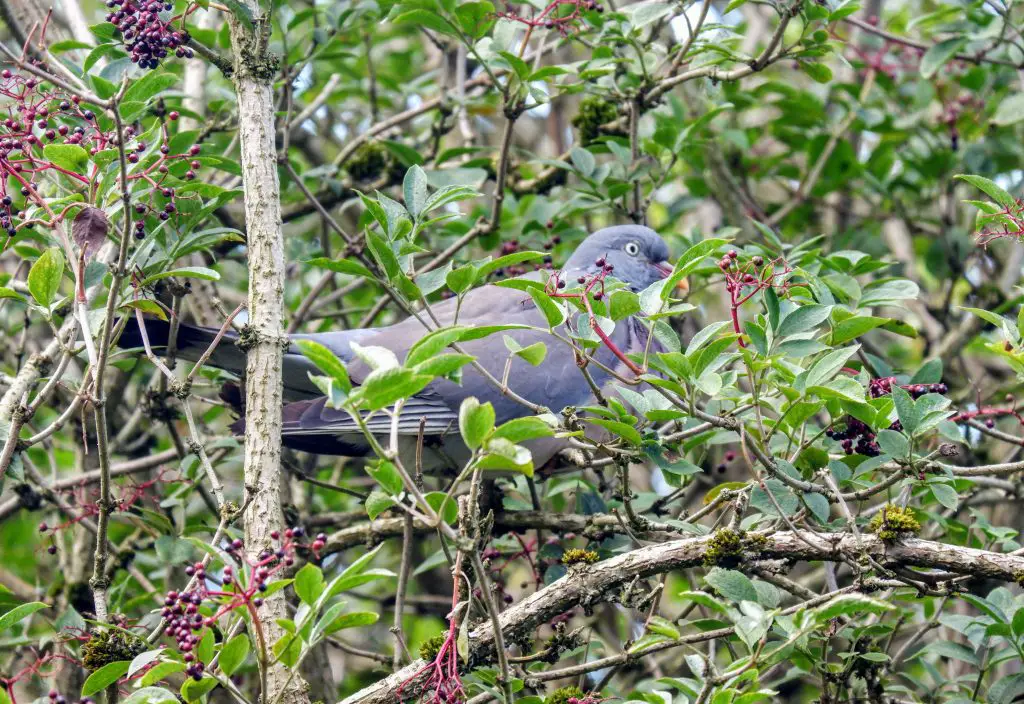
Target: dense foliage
807, 490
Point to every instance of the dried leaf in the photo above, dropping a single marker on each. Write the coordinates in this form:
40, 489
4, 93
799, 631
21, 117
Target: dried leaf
90, 229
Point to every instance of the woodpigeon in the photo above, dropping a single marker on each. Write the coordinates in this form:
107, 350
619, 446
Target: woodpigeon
638, 257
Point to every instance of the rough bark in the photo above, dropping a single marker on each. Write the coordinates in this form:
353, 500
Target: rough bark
589, 586
265, 336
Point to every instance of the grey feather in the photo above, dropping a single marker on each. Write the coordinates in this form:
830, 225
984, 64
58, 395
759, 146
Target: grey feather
639, 257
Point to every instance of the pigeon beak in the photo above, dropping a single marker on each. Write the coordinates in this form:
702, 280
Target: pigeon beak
666, 271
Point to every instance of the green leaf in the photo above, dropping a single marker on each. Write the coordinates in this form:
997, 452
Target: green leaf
309, 583
429, 19
377, 503
141, 660
887, 292
475, 18
647, 641
663, 626
842, 387
507, 456
803, 319
526, 428
70, 157
186, 272
731, 584
147, 306
989, 188
241, 11
148, 86
444, 505
161, 671
893, 443
622, 304
384, 255
704, 336
533, 354
854, 327
204, 651
104, 677
1017, 625
623, 430
939, 54
956, 651
414, 188
448, 194
386, 386
342, 266
583, 160
945, 495
906, 409
153, 695
386, 474
704, 599
460, 279
553, 312
828, 365
18, 613
233, 654
850, 604
689, 261
430, 281
1010, 110
356, 574
11, 293
443, 364
476, 421
820, 73
986, 315
355, 619
818, 505
326, 361
930, 372
484, 270
432, 343
193, 691
783, 495
45, 275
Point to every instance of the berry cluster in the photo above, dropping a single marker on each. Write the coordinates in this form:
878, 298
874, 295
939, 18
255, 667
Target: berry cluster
739, 276
857, 436
593, 285
856, 431
147, 36
38, 114
184, 622
883, 387
184, 613
744, 281
729, 457
57, 698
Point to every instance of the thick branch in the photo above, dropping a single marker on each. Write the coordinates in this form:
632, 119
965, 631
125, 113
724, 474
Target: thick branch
599, 582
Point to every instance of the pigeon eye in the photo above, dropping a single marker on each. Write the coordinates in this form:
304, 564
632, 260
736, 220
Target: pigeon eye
632, 249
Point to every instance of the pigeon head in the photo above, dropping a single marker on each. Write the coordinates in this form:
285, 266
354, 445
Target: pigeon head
637, 253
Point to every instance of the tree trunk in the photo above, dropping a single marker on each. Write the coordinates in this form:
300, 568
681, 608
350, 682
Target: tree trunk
254, 71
